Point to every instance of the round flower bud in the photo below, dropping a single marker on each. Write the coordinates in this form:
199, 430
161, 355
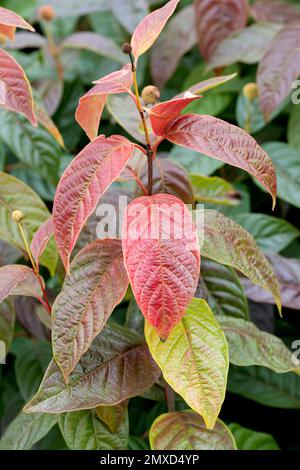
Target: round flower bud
250, 91
126, 48
17, 216
46, 12
150, 94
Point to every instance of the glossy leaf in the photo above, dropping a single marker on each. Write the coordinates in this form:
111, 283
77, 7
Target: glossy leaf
25, 430
279, 68
250, 346
247, 46
150, 28
162, 258
87, 177
276, 11
225, 142
83, 430
116, 356
18, 94
214, 190
89, 111
97, 283
228, 243
194, 360
129, 13
9, 21
222, 289
175, 41
94, 42
265, 386
7, 323
14, 194
185, 430
216, 19
113, 416
246, 439
16, 279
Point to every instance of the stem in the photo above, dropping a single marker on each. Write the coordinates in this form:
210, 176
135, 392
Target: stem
146, 132
247, 125
53, 48
170, 397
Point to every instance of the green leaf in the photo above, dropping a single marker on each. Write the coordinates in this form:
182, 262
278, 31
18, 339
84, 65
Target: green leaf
83, 430
194, 360
270, 233
116, 356
113, 416
25, 430
249, 346
293, 128
265, 386
185, 430
213, 103
194, 162
7, 323
32, 359
214, 190
286, 160
246, 439
14, 194
222, 289
226, 242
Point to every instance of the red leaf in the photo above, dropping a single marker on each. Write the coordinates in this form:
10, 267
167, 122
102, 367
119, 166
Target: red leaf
216, 19
18, 95
278, 69
16, 279
87, 177
162, 258
9, 21
150, 28
277, 12
225, 142
41, 238
89, 110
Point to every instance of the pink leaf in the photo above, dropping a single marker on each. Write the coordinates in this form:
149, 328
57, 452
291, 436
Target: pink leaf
150, 28
87, 177
216, 19
162, 258
40, 238
90, 108
9, 21
276, 12
161, 114
222, 141
16, 279
278, 69
18, 95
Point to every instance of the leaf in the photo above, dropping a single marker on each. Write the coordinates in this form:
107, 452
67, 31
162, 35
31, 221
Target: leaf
190, 160
18, 280
246, 439
209, 84
222, 289
293, 123
265, 386
162, 113
169, 178
113, 416
225, 142
214, 103
27, 316
25, 430
41, 239
249, 115
176, 40
279, 12
9, 21
43, 118
161, 257
18, 94
87, 177
25, 40
250, 346
247, 46
83, 430
279, 68
216, 19
286, 162
228, 243
98, 282
270, 233
150, 28
214, 190
7, 323
194, 360
14, 194
185, 430
116, 356
75, 7
8, 254
94, 42
129, 13
51, 92
287, 271
90, 108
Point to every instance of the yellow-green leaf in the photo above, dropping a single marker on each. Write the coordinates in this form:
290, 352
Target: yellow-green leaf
214, 190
